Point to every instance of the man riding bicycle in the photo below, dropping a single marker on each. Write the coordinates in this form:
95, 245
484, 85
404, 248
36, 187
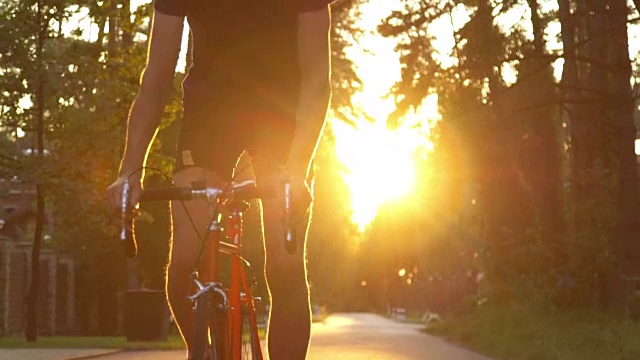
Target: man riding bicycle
259, 83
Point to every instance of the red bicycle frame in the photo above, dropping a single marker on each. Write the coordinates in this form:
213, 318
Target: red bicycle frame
240, 297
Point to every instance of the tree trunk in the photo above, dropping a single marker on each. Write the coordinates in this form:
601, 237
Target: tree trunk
544, 156
586, 86
637, 4
596, 95
112, 45
569, 82
127, 26
32, 295
627, 245
538, 30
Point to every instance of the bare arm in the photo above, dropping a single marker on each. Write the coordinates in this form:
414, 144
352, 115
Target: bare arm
155, 87
315, 90
148, 106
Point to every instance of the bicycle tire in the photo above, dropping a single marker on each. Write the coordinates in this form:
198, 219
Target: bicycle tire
250, 340
205, 332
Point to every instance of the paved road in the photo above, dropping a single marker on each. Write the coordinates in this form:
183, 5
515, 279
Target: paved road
354, 337
52, 354
368, 336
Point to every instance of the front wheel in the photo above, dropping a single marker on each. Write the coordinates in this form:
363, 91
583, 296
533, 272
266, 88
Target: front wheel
205, 331
250, 347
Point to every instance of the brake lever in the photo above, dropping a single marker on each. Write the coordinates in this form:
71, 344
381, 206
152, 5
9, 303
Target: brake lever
290, 241
127, 233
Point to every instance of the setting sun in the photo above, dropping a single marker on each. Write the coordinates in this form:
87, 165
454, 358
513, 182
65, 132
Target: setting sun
379, 163
378, 167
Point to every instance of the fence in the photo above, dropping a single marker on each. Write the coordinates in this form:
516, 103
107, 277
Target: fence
56, 295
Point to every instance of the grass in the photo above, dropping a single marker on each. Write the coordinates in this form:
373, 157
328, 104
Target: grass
412, 319
520, 332
173, 342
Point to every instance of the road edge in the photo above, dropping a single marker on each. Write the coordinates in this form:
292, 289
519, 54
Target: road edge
95, 356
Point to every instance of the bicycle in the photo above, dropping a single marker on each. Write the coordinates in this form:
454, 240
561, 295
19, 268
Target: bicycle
225, 316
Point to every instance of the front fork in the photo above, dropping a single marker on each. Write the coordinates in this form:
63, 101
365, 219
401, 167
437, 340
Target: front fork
232, 306
241, 299
239, 293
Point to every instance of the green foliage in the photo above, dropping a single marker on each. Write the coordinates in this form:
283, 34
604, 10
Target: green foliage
344, 80
498, 146
533, 331
330, 246
87, 92
173, 342
551, 165
589, 244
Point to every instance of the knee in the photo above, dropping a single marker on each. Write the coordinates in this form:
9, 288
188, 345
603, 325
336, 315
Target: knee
286, 275
178, 273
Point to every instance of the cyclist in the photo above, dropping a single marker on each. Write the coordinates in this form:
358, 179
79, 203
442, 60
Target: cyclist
259, 82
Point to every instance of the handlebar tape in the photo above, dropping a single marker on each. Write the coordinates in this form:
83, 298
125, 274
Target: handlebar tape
163, 194
248, 192
290, 240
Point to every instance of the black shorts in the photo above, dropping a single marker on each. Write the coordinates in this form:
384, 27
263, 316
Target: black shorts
215, 141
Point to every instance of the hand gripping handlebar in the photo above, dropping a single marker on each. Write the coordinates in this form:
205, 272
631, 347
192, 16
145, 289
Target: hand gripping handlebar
242, 191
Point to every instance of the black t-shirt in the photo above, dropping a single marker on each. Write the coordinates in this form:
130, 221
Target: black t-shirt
244, 54
181, 7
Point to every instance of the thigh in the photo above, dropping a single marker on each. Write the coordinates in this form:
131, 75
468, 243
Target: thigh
270, 142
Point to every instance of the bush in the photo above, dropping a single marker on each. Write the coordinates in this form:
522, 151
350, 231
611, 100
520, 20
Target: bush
543, 332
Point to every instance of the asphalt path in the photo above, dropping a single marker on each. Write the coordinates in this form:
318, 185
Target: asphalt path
353, 336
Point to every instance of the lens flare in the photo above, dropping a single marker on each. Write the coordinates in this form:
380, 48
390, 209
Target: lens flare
379, 164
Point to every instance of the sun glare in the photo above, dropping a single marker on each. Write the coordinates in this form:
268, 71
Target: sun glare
379, 164
377, 168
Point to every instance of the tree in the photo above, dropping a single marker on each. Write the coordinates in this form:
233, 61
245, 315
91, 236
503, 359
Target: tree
81, 92
90, 83
344, 80
597, 92
26, 62
498, 137
622, 105
32, 295
97, 82
572, 210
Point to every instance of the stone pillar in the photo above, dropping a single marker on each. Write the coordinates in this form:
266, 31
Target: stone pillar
65, 287
6, 248
19, 275
47, 293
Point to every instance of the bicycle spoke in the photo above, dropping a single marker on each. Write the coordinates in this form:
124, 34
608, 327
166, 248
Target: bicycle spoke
250, 340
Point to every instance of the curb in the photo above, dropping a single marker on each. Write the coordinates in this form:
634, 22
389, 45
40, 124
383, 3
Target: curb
110, 352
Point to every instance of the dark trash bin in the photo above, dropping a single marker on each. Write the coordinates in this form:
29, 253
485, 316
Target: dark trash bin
146, 315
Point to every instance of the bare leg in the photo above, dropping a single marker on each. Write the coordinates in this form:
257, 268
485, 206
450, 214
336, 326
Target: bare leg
290, 318
186, 247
